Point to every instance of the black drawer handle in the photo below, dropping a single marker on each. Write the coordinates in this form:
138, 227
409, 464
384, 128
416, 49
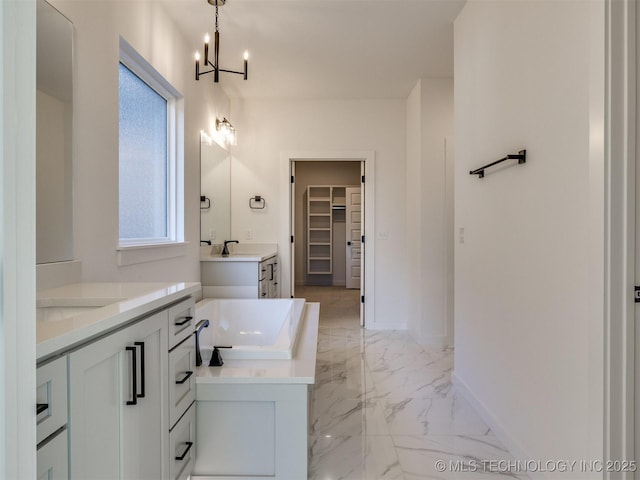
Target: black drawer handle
134, 376
141, 345
183, 322
41, 407
184, 454
186, 377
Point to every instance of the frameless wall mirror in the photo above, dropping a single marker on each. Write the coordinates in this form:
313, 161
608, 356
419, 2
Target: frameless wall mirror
215, 192
54, 107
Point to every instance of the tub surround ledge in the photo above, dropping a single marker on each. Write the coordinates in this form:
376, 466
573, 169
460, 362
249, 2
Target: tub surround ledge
299, 370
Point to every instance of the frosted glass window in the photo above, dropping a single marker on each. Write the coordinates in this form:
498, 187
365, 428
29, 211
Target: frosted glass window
143, 153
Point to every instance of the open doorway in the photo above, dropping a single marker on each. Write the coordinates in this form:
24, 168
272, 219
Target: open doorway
327, 212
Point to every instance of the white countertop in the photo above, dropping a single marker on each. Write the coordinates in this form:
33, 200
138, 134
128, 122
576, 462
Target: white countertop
239, 252
119, 302
299, 370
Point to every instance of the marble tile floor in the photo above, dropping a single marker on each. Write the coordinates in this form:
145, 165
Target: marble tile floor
384, 406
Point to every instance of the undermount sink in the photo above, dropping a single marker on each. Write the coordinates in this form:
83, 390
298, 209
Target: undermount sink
51, 309
52, 314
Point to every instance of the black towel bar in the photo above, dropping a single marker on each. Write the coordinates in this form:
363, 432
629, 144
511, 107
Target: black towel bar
521, 156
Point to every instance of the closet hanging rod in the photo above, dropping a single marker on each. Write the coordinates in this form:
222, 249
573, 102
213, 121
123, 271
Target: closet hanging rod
521, 156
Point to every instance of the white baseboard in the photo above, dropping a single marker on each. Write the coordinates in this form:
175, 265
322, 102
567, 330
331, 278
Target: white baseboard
384, 326
495, 425
435, 341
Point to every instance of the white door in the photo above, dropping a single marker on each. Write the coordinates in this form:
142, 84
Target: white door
354, 231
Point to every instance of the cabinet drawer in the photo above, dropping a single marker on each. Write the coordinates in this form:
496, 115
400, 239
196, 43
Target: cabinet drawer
181, 321
51, 396
263, 290
182, 378
182, 446
53, 461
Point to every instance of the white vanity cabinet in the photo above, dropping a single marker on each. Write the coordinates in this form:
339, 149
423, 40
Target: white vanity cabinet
51, 418
241, 277
117, 401
182, 390
268, 285
52, 458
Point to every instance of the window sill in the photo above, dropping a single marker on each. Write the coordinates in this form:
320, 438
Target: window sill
134, 254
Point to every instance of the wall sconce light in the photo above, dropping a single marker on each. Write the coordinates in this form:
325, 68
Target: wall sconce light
216, 49
227, 130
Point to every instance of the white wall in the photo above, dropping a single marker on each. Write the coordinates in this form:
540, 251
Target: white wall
148, 29
273, 127
524, 350
429, 206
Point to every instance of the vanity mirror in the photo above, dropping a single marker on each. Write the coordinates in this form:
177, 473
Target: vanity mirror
54, 107
215, 192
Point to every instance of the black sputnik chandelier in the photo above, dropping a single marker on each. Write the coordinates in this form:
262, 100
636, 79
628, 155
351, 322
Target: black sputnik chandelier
215, 65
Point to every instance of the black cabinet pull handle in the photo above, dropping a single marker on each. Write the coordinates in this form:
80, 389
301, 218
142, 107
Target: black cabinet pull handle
186, 377
41, 407
186, 450
134, 376
141, 345
183, 322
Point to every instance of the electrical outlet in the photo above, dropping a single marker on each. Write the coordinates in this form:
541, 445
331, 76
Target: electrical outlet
212, 234
249, 235
461, 235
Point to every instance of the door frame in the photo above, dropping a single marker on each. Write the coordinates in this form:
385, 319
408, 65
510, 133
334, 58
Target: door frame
367, 159
620, 428
17, 240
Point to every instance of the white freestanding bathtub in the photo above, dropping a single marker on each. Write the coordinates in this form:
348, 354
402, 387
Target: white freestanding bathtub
254, 328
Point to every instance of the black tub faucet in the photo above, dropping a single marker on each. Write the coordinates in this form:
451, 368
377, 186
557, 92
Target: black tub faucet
201, 324
225, 250
216, 356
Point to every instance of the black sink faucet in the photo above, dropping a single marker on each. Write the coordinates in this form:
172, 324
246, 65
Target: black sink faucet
225, 250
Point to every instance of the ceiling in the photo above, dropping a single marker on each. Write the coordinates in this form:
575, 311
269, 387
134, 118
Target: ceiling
325, 49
